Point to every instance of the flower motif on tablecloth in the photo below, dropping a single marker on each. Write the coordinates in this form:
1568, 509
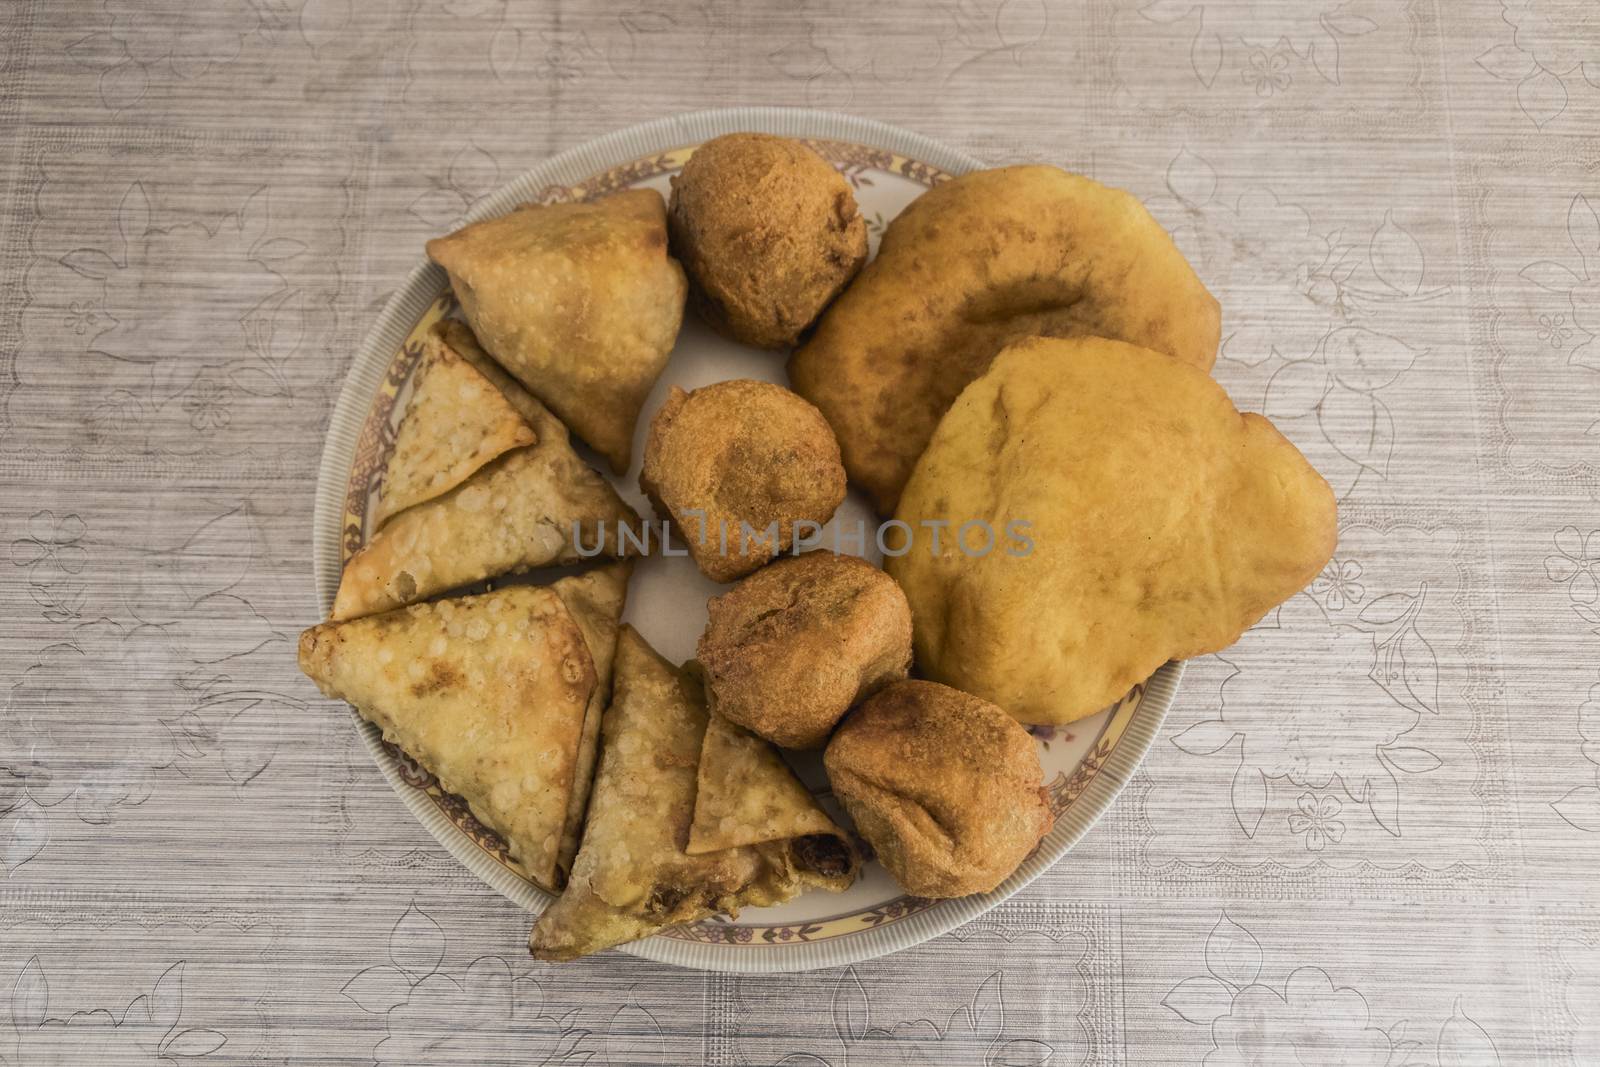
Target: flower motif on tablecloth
973, 1034
148, 1031
1306, 1020
1575, 565
1314, 310
1575, 279
1316, 818
181, 320
164, 41
1338, 586
1262, 37
180, 636
484, 1015
1554, 51
1580, 807
53, 556
897, 43
1348, 735
471, 175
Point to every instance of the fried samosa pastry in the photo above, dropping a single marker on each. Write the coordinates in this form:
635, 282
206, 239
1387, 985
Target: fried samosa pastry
499, 696
634, 874
971, 266
580, 302
1161, 524
747, 795
455, 422
521, 510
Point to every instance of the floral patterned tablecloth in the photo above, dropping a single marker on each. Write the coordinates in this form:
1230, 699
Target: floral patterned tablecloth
1372, 826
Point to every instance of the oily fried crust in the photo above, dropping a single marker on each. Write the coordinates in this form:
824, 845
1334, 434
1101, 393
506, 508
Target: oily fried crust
489, 693
455, 422
972, 265
633, 874
747, 795
769, 233
1163, 524
791, 648
740, 452
944, 787
579, 301
516, 513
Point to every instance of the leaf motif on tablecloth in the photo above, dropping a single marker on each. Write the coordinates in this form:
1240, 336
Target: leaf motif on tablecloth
634, 1035
148, 1032
416, 943
1200, 1000
1251, 1021
1233, 955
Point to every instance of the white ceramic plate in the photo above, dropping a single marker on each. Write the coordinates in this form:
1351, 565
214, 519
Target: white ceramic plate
1085, 764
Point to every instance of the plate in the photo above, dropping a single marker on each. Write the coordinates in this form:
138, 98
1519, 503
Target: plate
1085, 764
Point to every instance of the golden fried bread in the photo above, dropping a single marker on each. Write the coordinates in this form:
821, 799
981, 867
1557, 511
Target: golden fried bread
971, 266
769, 233
788, 650
944, 787
1163, 524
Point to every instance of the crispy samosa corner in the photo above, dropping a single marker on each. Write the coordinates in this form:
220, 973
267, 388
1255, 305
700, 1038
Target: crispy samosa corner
635, 873
516, 511
580, 302
499, 696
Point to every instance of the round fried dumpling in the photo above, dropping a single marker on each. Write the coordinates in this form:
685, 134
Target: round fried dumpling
789, 649
945, 787
734, 466
769, 233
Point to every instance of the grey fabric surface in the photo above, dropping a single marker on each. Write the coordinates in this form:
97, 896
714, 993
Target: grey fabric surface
1369, 834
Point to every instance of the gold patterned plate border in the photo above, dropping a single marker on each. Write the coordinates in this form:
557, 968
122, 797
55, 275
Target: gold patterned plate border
361, 439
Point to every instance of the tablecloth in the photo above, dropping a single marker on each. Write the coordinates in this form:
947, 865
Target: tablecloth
1369, 833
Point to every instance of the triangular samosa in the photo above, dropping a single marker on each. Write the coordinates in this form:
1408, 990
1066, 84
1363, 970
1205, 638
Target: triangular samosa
525, 509
455, 423
633, 875
497, 695
579, 301
747, 795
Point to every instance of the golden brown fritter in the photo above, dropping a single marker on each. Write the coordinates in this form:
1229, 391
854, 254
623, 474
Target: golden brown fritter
734, 466
788, 650
1163, 524
944, 787
971, 266
769, 233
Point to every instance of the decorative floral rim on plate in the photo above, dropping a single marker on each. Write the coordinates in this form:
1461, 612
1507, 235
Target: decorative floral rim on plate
361, 436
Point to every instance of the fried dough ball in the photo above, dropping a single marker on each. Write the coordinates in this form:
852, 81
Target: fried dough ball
769, 233
944, 787
734, 466
788, 650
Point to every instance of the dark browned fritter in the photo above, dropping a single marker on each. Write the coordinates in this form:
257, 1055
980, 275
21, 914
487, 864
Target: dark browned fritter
740, 452
788, 650
944, 787
769, 233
